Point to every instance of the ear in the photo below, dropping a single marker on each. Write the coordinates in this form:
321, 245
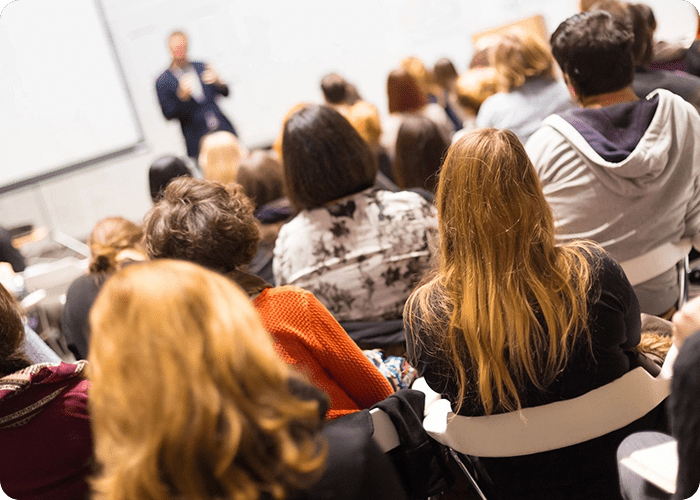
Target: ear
572, 89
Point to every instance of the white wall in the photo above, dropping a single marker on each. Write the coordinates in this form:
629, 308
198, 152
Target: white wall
273, 54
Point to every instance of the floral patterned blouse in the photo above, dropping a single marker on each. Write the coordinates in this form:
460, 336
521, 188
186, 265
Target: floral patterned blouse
361, 255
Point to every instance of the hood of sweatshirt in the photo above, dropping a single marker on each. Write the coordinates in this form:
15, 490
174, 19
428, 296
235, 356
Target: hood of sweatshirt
627, 146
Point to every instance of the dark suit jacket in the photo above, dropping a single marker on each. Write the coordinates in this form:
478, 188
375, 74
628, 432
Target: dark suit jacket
192, 114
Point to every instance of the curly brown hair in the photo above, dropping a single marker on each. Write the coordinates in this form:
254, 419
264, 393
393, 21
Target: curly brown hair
202, 221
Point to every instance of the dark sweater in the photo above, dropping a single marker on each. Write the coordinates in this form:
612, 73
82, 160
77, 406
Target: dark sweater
587, 470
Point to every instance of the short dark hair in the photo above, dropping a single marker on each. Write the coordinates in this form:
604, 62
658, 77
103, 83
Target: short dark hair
594, 50
324, 157
203, 222
334, 88
420, 149
162, 171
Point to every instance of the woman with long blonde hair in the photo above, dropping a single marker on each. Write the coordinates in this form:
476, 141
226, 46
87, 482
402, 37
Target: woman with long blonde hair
190, 400
511, 320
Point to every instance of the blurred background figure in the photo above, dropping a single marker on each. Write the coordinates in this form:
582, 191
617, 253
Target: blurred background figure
162, 171
528, 90
420, 148
114, 243
220, 155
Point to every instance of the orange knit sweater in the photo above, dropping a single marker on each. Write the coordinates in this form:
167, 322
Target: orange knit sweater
308, 337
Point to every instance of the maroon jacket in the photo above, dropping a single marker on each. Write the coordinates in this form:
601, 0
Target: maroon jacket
45, 438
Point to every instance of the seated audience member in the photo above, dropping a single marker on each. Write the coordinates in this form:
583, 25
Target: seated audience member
213, 225
445, 76
684, 412
114, 242
359, 249
407, 98
220, 155
364, 117
473, 88
620, 170
162, 171
8, 253
338, 92
512, 320
45, 437
420, 148
640, 18
528, 90
262, 178
190, 401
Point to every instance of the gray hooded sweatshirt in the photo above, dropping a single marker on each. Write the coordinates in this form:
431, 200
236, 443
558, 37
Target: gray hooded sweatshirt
626, 176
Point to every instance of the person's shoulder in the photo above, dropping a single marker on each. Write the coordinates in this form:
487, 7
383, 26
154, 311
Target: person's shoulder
165, 77
289, 295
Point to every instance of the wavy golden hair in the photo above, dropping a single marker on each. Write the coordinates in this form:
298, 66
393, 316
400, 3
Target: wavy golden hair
516, 302
189, 399
519, 56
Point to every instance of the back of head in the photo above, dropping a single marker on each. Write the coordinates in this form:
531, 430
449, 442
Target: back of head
220, 155
420, 148
189, 398
162, 171
475, 86
12, 357
640, 18
364, 117
334, 88
404, 92
262, 177
499, 268
444, 72
324, 157
108, 239
518, 56
418, 71
204, 222
594, 50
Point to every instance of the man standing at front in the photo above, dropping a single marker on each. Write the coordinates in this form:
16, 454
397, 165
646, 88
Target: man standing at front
187, 91
621, 171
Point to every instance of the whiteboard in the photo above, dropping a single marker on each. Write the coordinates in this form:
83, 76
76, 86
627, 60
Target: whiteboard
64, 100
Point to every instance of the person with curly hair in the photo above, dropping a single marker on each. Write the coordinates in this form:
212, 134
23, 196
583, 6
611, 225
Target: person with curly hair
213, 225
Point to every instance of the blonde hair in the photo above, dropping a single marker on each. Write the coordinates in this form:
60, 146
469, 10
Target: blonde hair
419, 72
516, 302
364, 117
475, 86
519, 56
109, 238
219, 156
189, 398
